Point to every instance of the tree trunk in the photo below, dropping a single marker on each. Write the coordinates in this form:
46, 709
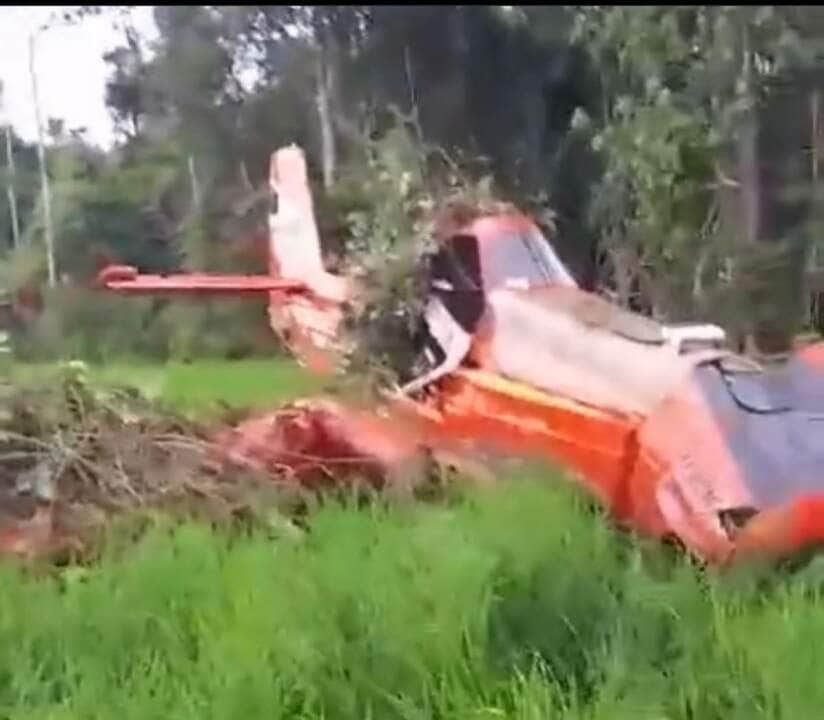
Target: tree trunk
748, 156
815, 103
15, 222
196, 197
244, 177
325, 82
757, 330
623, 275
44, 175
614, 276
698, 278
814, 294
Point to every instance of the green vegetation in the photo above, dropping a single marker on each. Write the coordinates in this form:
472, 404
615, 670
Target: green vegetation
247, 383
514, 602
674, 150
199, 387
517, 601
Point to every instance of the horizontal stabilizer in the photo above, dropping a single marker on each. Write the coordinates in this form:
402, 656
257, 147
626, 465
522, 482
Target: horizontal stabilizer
128, 280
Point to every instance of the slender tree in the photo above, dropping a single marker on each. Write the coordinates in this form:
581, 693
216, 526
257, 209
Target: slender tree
11, 192
48, 229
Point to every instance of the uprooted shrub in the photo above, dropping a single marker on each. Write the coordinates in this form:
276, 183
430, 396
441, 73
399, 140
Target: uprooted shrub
88, 455
392, 202
74, 457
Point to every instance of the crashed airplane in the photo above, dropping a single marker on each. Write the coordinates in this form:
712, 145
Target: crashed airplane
677, 436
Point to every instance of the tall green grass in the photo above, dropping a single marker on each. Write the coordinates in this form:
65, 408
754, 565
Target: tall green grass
515, 602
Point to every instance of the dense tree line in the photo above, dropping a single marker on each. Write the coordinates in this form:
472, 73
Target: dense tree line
676, 148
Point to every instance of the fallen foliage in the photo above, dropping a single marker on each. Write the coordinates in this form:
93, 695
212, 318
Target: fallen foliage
72, 456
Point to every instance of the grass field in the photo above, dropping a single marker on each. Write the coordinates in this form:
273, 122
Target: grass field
514, 602
202, 386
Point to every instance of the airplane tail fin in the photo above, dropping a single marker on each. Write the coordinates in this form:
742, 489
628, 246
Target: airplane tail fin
294, 241
309, 324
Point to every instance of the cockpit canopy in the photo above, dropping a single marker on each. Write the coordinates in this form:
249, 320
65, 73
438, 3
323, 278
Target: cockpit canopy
497, 252
491, 253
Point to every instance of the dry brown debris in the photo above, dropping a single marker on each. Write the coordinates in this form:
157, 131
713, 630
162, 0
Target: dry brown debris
71, 457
